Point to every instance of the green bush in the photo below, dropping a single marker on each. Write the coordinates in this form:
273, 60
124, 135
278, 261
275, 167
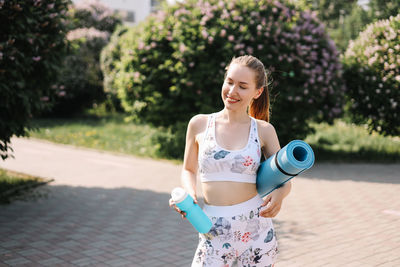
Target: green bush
172, 65
80, 83
81, 80
109, 58
32, 47
372, 74
169, 141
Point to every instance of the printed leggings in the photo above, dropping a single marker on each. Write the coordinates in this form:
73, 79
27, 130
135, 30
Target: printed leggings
239, 237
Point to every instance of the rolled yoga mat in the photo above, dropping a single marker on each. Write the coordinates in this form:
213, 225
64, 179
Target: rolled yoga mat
288, 162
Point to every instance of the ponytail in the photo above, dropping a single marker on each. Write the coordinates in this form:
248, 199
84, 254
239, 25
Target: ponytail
259, 108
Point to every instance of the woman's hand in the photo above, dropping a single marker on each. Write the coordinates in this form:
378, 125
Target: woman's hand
273, 202
173, 205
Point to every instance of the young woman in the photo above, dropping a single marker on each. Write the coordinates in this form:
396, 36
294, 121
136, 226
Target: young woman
225, 147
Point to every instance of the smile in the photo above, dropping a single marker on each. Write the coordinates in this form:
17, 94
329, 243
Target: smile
232, 100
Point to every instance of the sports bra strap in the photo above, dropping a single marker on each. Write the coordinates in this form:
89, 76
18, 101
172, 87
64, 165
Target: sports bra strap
208, 130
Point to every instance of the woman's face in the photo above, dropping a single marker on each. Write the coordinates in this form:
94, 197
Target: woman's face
239, 87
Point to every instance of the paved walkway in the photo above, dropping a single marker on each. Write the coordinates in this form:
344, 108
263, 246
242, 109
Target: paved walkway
106, 209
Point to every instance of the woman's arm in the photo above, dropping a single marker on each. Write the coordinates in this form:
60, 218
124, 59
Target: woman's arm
270, 142
190, 164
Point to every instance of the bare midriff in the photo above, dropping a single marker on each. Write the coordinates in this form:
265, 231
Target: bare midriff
227, 193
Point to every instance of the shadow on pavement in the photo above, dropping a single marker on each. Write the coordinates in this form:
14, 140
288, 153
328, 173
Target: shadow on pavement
80, 226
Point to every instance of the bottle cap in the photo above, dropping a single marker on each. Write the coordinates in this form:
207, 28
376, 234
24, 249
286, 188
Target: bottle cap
178, 194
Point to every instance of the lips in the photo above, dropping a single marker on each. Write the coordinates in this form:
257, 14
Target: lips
232, 100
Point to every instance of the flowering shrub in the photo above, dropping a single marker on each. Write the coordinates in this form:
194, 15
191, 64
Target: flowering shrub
93, 14
109, 57
372, 74
172, 65
81, 80
31, 50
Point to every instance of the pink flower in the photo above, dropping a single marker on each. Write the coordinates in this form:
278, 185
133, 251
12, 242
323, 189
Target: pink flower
248, 161
140, 45
182, 48
38, 58
62, 93
246, 237
231, 38
223, 33
204, 33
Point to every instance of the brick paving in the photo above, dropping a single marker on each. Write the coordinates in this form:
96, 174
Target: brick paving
105, 209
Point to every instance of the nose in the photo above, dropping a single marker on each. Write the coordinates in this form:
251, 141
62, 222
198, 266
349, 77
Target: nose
232, 89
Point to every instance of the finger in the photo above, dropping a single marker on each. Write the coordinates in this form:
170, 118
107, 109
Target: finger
269, 208
268, 214
272, 213
266, 201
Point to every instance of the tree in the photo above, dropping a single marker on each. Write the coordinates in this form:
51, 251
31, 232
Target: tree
32, 47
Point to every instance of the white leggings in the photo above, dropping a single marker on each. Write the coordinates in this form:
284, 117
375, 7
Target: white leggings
239, 237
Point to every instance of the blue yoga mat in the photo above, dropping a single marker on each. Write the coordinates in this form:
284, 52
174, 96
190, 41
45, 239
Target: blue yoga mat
288, 162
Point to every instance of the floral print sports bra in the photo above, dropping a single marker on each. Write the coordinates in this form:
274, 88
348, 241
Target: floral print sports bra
219, 164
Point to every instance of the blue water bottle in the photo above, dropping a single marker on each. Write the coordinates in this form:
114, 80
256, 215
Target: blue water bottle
194, 213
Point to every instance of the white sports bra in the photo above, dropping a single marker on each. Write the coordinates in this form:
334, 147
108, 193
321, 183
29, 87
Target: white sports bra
219, 164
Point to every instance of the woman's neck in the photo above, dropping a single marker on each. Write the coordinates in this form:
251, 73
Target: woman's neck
234, 116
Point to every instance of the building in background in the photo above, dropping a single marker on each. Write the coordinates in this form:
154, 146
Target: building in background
132, 11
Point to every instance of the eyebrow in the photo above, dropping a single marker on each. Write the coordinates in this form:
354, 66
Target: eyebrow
239, 82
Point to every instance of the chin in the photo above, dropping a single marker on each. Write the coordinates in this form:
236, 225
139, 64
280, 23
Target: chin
231, 107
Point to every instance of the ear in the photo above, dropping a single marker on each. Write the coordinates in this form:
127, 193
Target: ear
259, 92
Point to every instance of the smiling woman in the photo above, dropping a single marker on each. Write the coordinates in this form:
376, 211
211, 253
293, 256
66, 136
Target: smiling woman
225, 149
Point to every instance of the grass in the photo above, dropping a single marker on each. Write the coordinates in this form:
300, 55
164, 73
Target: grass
110, 133
346, 142
339, 142
15, 185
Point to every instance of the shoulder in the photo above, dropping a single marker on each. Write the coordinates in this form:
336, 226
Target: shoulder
265, 128
267, 135
198, 123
